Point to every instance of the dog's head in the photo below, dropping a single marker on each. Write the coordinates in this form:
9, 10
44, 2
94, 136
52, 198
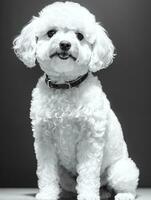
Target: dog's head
65, 39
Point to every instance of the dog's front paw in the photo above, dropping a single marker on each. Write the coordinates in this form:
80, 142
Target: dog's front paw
43, 196
47, 194
88, 196
124, 196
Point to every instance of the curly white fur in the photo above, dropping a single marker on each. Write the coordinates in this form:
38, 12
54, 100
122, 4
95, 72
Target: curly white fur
76, 132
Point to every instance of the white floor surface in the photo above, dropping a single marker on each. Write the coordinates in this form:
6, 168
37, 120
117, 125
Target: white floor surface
29, 194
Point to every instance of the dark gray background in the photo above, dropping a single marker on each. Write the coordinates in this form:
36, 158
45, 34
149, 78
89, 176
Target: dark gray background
126, 83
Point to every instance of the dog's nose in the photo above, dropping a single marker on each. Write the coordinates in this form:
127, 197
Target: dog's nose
65, 45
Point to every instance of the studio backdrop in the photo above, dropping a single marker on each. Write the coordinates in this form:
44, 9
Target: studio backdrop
126, 82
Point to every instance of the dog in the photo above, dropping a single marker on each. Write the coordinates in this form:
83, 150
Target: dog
78, 140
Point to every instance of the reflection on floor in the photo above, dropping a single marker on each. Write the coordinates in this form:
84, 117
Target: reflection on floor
29, 194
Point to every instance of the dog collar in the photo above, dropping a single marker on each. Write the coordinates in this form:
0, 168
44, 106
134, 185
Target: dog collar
67, 84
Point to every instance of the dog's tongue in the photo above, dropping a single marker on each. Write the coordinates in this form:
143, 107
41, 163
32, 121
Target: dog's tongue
64, 55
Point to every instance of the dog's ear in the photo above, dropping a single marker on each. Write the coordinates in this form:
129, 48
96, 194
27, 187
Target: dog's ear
24, 45
102, 52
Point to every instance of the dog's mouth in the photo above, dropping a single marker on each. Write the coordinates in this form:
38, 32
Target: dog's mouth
63, 55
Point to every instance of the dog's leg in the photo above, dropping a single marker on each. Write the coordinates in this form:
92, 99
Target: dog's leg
123, 178
47, 161
89, 156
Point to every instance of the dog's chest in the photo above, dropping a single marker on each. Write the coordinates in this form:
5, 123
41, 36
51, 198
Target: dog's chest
68, 126
66, 136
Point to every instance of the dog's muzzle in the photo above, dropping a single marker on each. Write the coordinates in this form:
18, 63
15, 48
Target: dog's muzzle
64, 55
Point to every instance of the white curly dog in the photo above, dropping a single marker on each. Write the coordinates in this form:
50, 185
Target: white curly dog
76, 132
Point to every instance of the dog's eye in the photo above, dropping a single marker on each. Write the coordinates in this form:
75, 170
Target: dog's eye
79, 36
51, 33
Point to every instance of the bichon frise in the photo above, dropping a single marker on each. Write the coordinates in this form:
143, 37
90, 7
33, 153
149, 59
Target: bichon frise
76, 132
